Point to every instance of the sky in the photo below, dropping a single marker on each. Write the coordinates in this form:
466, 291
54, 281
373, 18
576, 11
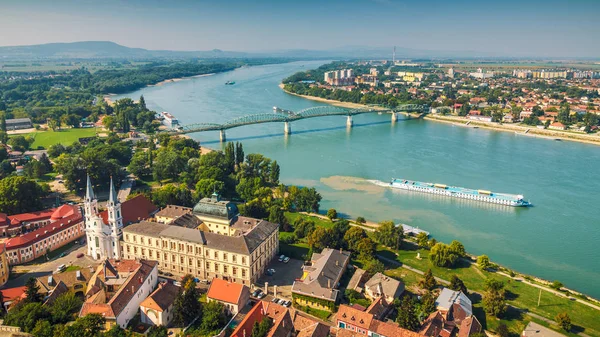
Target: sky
550, 28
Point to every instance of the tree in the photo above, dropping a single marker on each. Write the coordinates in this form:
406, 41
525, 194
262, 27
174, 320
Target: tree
158, 331
502, 330
276, 216
117, 331
457, 284
374, 266
564, 321
32, 291
65, 307
142, 103
457, 248
172, 195
261, 329
407, 316
390, 235
26, 314
109, 123
212, 318
187, 305
87, 326
427, 304
428, 282
483, 262
206, 187
339, 229
168, 164
274, 172
353, 236
20, 143
42, 328
56, 150
239, 154
140, 164
493, 298
332, 214
365, 248
3, 123
360, 220
422, 240
318, 239
229, 153
303, 227
442, 255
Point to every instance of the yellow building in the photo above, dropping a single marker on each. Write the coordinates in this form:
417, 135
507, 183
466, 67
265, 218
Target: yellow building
211, 241
4, 269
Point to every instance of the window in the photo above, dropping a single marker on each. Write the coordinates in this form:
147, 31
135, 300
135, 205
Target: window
243, 260
243, 272
234, 271
216, 267
207, 265
224, 269
234, 258
224, 256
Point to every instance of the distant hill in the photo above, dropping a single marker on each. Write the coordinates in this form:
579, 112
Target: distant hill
107, 49
101, 49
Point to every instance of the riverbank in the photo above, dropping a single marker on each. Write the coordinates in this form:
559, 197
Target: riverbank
521, 130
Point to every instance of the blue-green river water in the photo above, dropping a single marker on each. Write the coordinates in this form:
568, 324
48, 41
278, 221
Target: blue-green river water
558, 239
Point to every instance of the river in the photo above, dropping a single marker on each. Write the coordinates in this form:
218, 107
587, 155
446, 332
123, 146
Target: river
557, 239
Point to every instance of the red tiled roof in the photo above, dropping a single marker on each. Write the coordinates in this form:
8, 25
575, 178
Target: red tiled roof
3, 219
10, 294
355, 317
225, 291
256, 314
44, 232
32, 216
133, 210
63, 211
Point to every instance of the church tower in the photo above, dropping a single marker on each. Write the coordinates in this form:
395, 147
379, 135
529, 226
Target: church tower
103, 238
115, 221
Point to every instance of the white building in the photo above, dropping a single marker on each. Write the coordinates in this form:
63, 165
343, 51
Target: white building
157, 309
103, 238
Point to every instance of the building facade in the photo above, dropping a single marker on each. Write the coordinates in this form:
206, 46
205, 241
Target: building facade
233, 296
63, 229
157, 309
213, 243
4, 269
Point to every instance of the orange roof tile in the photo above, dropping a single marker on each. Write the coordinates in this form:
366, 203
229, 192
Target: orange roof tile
225, 291
133, 210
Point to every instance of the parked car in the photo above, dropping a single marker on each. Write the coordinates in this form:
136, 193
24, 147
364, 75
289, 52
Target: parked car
256, 292
287, 304
261, 295
177, 283
281, 258
168, 274
61, 268
275, 300
281, 301
80, 255
286, 260
160, 272
272, 270
269, 272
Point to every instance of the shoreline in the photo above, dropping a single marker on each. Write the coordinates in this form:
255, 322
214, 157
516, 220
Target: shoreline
107, 98
517, 129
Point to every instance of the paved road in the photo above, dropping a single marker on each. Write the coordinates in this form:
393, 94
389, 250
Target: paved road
46, 268
125, 189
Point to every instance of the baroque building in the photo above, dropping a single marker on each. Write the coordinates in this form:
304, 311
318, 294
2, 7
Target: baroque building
211, 240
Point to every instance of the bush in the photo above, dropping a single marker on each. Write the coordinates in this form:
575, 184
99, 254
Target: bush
564, 321
556, 285
361, 220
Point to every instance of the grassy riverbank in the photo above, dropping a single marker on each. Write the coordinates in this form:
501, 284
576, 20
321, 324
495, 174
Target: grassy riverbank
519, 129
520, 294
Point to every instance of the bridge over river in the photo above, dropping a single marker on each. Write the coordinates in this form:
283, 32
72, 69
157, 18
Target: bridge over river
286, 116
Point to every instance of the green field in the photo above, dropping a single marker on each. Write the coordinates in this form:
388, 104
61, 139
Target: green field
65, 137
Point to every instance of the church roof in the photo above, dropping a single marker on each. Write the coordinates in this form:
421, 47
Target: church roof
134, 210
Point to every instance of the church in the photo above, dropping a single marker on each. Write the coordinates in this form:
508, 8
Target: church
104, 230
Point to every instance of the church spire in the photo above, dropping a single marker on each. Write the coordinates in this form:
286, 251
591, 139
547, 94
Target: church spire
113, 193
89, 193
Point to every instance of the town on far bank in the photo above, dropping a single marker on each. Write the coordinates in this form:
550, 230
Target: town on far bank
131, 231
547, 99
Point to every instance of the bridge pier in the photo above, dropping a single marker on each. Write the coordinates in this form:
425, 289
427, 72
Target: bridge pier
349, 122
287, 128
222, 136
394, 116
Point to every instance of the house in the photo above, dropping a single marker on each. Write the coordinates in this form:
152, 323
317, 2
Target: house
318, 286
12, 225
357, 280
383, 286
234, 296
351, 322
18, 124
75, 281
11, 296
286, 322
478, 116
557, 126
536, 330
157, 309
454, 313
117, 288
4, 267
171, 212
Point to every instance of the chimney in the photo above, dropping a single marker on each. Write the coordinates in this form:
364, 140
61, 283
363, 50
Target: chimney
132, 289
337, 263
329, 283
244, 330
50, 280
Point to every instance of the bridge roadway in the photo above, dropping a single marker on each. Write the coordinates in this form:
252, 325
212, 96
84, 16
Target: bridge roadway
286, 116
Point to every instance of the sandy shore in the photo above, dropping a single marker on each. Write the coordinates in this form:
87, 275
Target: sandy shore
461, 121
